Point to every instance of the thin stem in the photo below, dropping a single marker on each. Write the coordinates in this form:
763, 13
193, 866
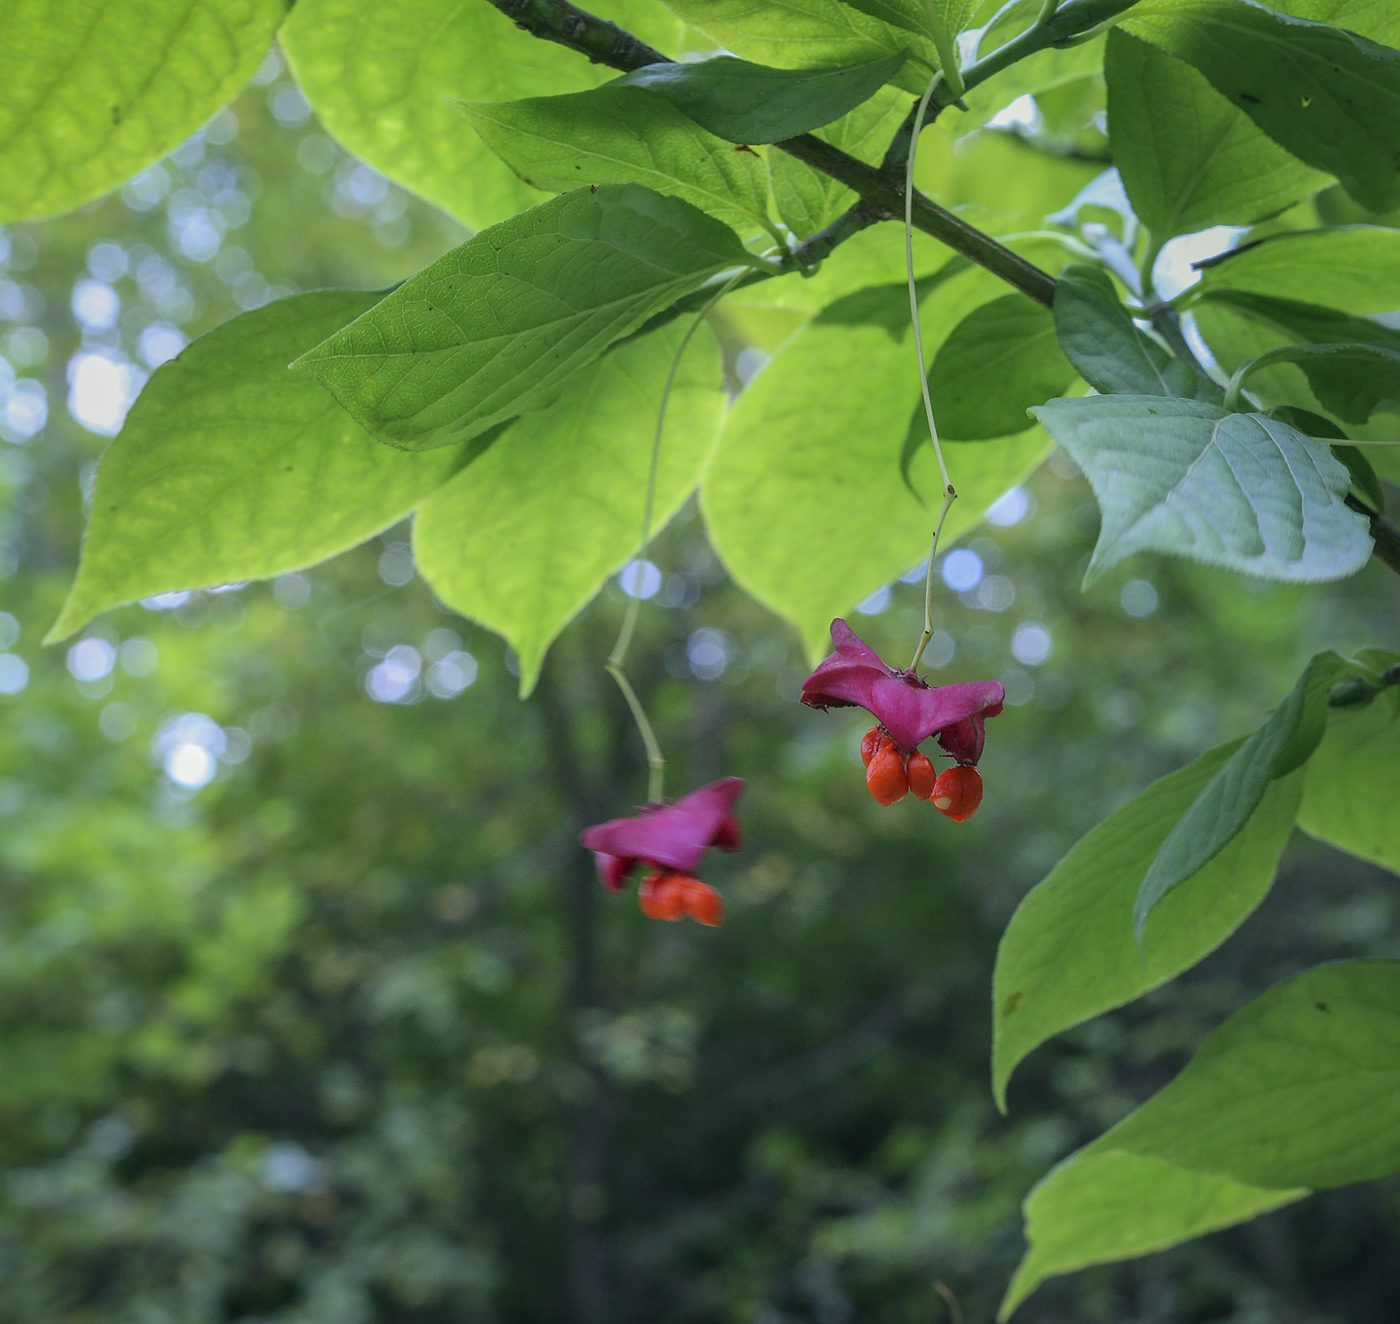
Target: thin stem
617, 659
948, 499
949, 493
656, 760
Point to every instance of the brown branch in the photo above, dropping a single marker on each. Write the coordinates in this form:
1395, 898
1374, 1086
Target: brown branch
881, 193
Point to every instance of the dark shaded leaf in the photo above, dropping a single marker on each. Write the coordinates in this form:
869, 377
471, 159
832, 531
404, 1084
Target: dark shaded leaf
1098, 335
1332, 98
751, 103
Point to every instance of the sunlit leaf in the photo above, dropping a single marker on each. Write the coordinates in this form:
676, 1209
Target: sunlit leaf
1355, 268
620, 135
523, 542
499, 325
1242, 491
1069, 952
808, 200
1102, 1206
231, 466
1353, 782
1332, 98
1299, 1089
94, 93
805, 502
1188, 158
810, 34
1001, 359
753, 103
381, 76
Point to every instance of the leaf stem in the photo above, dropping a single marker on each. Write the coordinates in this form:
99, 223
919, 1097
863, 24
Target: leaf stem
947, 51
949, 492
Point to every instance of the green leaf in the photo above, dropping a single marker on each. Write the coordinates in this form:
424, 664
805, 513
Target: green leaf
231, 466
752, 103
1226, 803
1352, 267
1330, 97
1107, 349
1069, 954
1098, 1207
497, 326
523, 542
806, 34
620, 135
1188, 158
1242, 491
1353, 782
808, 200
1240, 327
1377, 19
1351, 379
1001, 359
804, 502
380, 77
93, 97
1299, 1089
1044, 71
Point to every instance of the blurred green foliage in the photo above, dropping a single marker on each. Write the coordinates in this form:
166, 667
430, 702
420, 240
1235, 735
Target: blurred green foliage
343, 1030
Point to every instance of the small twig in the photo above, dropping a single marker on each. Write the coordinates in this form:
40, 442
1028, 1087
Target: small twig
606, 43
1383, 533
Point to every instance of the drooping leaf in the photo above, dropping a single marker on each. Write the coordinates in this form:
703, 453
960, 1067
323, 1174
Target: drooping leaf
1240, 326
1332, 98
380, 77
1226, 803
1299, 1089
231, 466
804, 501
1001, 359
811, 34
1353, 782
753, 103
808, 200
1069, 953
1242, 491
1190, 159
1355, 268
94, 93
620, 135
1098, 335
524, 543
1102, 1206
498, 326
1352, 379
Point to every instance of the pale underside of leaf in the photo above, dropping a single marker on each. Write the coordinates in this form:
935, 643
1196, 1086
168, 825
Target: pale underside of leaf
1241, 491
